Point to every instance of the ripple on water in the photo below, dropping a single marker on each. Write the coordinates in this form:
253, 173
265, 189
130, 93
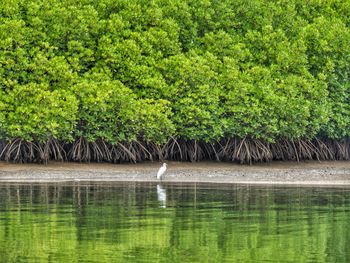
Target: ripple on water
173, 223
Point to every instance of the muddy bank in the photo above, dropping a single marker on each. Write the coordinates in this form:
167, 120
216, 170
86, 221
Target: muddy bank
330, 173
311, 173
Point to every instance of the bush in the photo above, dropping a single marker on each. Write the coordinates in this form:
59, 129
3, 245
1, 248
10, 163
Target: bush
110, 111
160, 71
34, 113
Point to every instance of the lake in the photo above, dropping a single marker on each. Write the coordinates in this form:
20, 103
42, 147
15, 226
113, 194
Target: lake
149, 222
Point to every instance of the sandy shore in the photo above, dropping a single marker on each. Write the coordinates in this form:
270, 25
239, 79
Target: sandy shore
288, 173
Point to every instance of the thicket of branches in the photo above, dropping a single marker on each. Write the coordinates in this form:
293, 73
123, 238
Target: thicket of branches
115, 80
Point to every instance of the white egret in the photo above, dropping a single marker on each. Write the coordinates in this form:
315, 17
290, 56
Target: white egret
161, 171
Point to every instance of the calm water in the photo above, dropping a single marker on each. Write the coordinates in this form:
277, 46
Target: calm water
138, 222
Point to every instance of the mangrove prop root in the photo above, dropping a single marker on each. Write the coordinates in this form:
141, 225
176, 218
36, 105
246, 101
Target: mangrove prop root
245, 150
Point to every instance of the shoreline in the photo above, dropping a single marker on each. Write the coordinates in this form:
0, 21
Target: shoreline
311, 173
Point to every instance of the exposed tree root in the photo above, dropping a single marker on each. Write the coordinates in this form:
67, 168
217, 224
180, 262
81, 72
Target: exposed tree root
245, 151
21, 151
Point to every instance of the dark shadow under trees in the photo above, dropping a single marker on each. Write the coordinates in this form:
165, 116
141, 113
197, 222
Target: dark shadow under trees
244, 151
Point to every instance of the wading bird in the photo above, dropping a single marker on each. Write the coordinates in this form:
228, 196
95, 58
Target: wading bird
161, 171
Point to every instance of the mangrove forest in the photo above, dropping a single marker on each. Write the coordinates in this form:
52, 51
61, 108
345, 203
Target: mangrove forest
187, 80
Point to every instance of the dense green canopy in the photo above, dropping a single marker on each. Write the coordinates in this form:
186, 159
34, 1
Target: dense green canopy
127, 70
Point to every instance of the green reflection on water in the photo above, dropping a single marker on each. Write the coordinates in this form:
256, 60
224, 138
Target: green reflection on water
135, 222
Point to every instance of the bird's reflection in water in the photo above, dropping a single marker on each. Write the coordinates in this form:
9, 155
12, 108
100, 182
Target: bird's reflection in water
161, 193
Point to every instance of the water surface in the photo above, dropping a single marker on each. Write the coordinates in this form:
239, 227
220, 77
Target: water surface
146, 222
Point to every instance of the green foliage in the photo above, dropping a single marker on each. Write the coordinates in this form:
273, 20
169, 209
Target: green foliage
108, 110
195, 96
196, 69
153, 120
100, 104
328, 41
2, 117
34, 113
262, 105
